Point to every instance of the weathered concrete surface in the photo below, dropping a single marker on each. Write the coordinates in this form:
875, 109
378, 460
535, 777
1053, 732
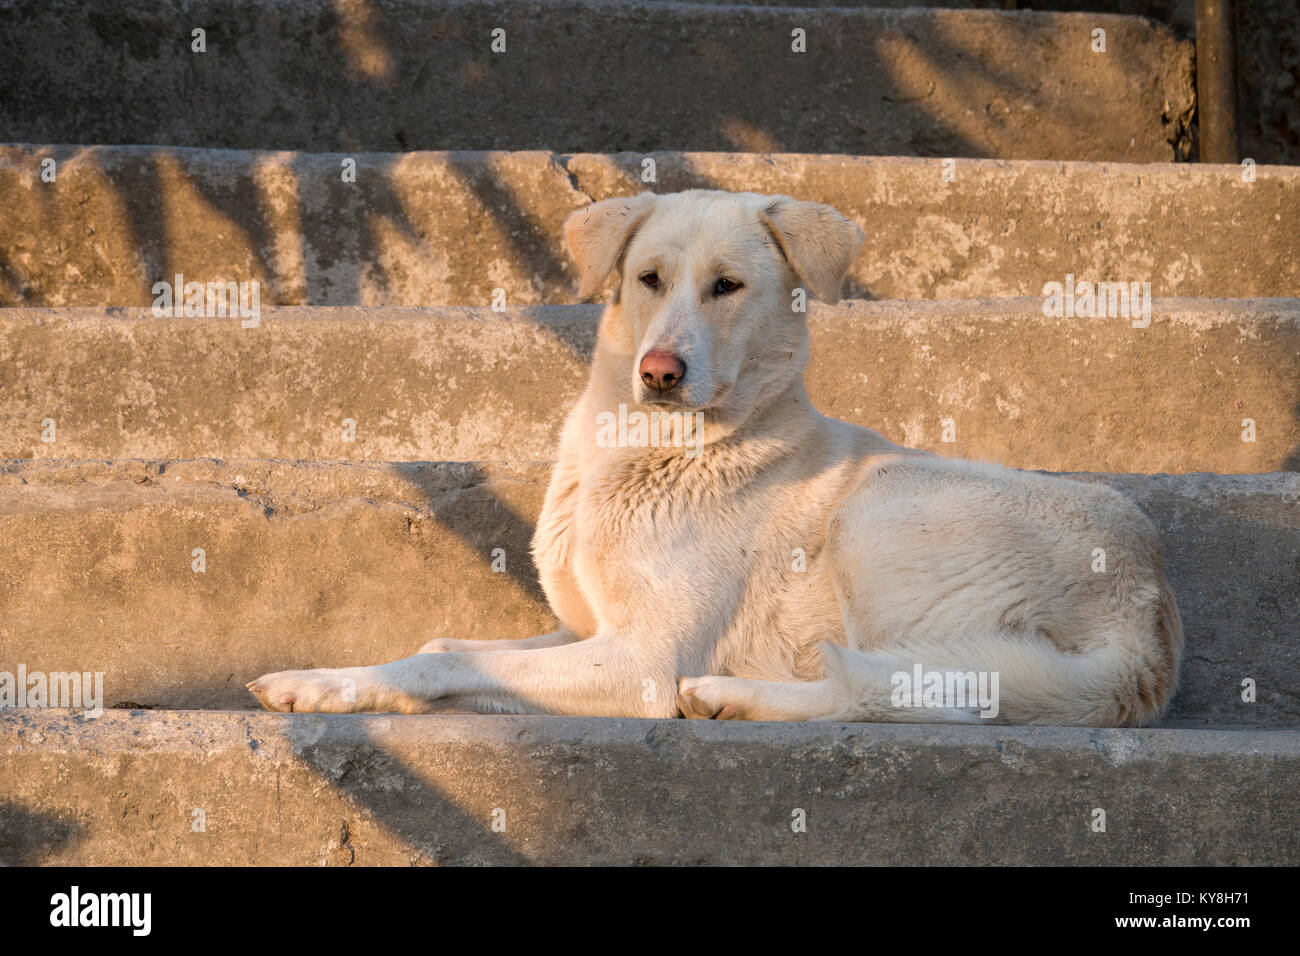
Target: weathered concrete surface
353, 790
1006, 228
321, 565
449, 228
447, 384
588, 75
1268, 56
416, 229
468, 384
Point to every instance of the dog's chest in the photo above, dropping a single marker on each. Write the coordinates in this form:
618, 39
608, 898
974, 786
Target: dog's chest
671, 532
647, 506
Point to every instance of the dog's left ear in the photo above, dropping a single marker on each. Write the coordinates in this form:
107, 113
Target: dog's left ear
819, 242
598, 234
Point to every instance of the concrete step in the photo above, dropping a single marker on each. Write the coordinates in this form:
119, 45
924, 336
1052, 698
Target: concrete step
308, 564
595, 75
450, 228
456, 384
273, 789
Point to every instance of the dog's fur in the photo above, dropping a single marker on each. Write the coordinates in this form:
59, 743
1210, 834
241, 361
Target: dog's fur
677, 578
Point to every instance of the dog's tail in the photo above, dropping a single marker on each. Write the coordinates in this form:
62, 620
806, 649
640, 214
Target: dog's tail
1126, 680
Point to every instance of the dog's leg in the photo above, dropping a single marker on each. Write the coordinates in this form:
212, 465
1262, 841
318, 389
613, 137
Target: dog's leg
736, 698
442, 645
555, 639
857, 686
607, 675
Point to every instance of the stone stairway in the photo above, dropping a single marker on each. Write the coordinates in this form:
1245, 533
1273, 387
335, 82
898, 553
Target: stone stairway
124, 217
595, 75
458, 383
189, 501
343, 790
337, 563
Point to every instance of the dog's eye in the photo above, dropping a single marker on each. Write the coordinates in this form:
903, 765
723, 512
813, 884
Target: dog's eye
725, 286
650, 280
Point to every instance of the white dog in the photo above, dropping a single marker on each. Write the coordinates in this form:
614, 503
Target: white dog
764, 562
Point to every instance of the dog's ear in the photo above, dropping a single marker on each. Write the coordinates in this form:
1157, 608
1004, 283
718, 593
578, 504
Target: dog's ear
598, 234
819, 242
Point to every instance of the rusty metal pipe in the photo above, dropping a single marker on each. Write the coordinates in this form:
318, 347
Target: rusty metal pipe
1216, 80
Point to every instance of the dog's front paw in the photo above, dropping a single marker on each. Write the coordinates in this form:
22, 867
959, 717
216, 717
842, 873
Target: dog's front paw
707, 697
321, 691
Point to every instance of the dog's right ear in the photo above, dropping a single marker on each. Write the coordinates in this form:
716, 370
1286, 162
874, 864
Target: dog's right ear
598, 234
818, 241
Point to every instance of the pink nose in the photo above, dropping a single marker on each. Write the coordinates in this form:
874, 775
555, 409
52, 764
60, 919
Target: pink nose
661, 370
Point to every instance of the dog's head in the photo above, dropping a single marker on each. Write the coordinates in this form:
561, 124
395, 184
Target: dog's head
710, 308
